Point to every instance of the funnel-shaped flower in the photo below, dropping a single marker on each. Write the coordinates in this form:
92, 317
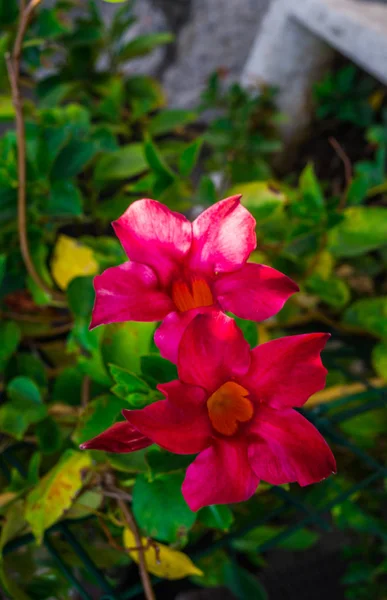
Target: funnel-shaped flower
235, 408
178, 269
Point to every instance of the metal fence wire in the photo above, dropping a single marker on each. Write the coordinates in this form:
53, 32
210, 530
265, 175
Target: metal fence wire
328, 418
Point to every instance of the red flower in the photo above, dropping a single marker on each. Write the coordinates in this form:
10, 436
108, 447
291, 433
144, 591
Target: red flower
178, 269
235, 407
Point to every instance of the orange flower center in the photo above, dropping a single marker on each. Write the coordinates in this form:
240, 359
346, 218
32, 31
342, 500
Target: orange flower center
229, 406
190, 295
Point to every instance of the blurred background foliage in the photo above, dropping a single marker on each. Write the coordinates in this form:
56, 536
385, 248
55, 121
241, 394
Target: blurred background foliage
97, 138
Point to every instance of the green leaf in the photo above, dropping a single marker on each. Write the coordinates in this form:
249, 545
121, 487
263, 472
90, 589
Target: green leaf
379, 359
189, 157
23, 408
249, 329
157, 162
365, 428
124, 163
10, 337
98, 415
124, 343
369, 314
67, 386
333, 291
65, 199
72, 159
243, 584
261, 198
55, 493
161, 462
143, 44
130, 388
364, 228
169, 120
217, 517
7, 111
157, 369
174, 520
80, 295
49, 436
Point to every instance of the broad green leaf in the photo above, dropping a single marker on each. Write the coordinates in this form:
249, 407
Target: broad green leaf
261, 198
23, 408
98, 415
56, 492
333, 291
165, 562
174, 520
129, 161
157, 369
133, 462
143, 44
10, 337
131, 388
80, 295
7, 111
72, 159
49, 435
188, 158
249, 329
379, 359
158, 164
124, 343
369, 314
71, 259
243, 584
217, 517
213, 566
161, 461
65, 199
171, 119
67, 386
364, 228
365, 428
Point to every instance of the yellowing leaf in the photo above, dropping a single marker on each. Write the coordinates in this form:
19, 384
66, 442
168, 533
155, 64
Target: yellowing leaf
337, 391
163, 562
71, 259
55, 493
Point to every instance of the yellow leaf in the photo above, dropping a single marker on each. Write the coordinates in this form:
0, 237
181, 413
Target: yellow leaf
337, 391
54, 494
163, 561
71, 259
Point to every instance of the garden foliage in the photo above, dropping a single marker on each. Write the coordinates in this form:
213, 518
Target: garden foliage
98, 137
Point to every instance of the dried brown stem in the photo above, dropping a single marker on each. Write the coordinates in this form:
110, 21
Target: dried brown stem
347, 167
13, 66
85, 391
131, 522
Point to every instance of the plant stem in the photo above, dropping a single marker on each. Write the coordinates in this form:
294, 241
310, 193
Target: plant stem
130, 520
13, 66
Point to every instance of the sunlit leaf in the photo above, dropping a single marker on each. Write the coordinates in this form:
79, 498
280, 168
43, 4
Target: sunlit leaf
56, 492
364, 228
71, 259
165, 562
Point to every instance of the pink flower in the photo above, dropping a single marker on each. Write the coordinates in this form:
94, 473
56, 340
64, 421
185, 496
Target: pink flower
235, 408
178, 269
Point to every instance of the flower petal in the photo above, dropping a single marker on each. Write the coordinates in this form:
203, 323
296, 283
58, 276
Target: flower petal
212, 351
171, 330
287, 371
223, 237
179, 424
287, 448
152, 234
128, 292
120, 437
220, 475
255, 292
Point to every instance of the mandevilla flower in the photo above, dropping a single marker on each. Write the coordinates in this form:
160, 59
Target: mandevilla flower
235, 408
178, 269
